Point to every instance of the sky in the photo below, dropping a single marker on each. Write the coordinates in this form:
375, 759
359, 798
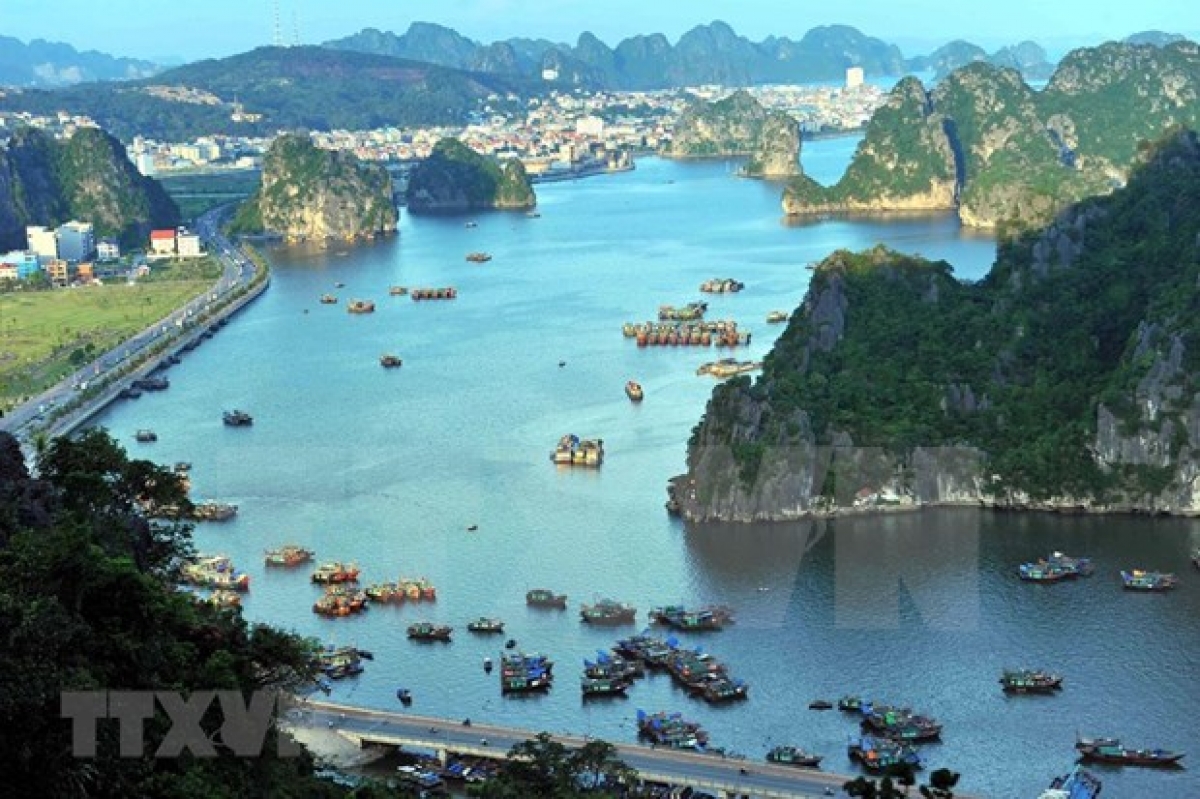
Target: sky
155, 30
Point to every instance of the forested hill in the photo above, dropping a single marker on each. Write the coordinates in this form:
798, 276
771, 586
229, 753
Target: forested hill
1016, 156
1068, 378
276, 88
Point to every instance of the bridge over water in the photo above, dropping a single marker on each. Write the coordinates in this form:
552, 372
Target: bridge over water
716, 775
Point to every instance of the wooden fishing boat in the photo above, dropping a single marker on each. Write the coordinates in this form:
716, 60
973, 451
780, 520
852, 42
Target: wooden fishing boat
485, 625
793, 756
428, 631
1138, 580
289, 555
543, 598
1030, 681
390, 361
1110, 750
633, 390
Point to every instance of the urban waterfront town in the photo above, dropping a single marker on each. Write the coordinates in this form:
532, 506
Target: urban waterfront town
821, 405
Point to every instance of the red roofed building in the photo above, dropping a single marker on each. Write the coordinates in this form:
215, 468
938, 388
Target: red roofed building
162, 242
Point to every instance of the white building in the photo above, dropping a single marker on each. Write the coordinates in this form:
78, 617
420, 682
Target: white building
76, 241
107, 250
42, 240
854, 77
590, 126
187, 244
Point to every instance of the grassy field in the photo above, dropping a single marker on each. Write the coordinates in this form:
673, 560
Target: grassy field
45, 335
197, 192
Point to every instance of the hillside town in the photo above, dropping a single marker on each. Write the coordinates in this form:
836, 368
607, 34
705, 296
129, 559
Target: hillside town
555, 135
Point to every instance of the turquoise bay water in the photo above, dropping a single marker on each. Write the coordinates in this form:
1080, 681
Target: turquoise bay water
389, 467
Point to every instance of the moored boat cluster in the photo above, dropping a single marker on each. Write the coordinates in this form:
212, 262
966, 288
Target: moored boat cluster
571, 450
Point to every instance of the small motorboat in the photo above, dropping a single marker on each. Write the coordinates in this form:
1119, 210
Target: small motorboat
487, 665
633, 390
146, 436
404, 695
820, 704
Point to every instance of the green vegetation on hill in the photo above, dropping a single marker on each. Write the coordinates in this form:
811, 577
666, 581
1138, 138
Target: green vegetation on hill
87, 177
1018, 157
290, 87
1073, 367
87, 602
456, 178
311, 193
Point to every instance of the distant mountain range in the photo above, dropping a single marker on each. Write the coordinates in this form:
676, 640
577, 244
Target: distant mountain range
273, 88
711, 53
50, 64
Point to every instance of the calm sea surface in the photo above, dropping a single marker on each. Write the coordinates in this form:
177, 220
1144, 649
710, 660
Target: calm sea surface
389, 467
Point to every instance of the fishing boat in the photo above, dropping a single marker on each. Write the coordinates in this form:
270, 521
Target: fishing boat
543, 598
522, 673
690, 312
651, 651
404, 695
448, 293
339, 662
607, 611
603, 686
236, 418
214, 571
1138, 580
390, 361
1030, 681
820, 704
332, 573
428, 631
417, 589
573, 451
709, 617
793, 756
360, 306
146, 436
775, 317
289, 555
397, 291
152, 383
722, 285
633, 390
879, 754
1078, 784
671, 729
340, 601
328, 299
384, 593
1055, 568
479, 257
213, 511
718, 688
1110, 750
485, 625
728, 367
900, 724
609, 665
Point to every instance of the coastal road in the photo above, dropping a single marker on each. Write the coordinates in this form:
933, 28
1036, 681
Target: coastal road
717, 775
24, 419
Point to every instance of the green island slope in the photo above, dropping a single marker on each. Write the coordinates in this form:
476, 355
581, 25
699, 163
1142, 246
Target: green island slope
88, 602
1069, 378
983, 143
739, 125
309, 193
455, 178
86, 177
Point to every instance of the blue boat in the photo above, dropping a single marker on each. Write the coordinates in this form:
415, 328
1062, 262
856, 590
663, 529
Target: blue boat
1078, 784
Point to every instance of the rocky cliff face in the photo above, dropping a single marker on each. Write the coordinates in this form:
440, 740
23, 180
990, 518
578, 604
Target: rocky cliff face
739, 126
87, 177
456, 179
906, 162
1019, 157
312, 194
1068, 380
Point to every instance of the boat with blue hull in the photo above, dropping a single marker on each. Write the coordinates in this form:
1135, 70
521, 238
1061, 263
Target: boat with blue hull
1078, 784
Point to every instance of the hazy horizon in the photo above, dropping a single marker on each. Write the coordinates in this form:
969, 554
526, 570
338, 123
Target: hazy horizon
220, 28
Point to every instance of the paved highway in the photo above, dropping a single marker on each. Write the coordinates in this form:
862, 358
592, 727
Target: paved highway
26, 419
708, 772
